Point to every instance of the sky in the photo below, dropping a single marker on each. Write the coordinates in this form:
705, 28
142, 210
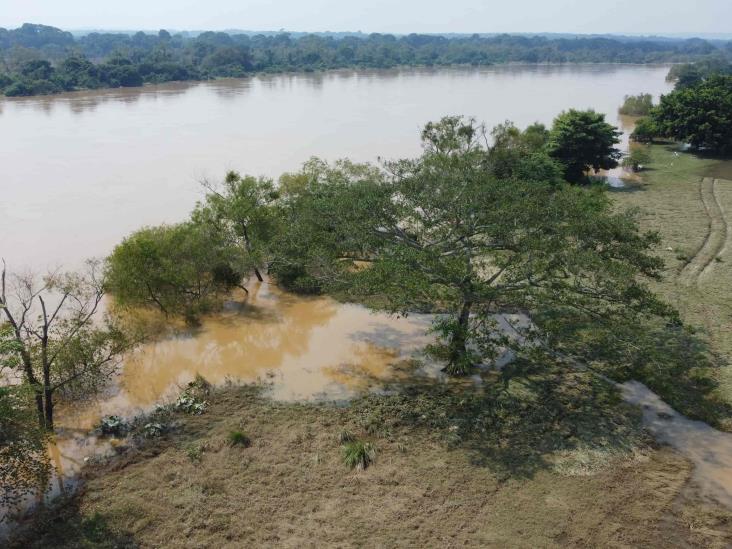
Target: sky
393, 16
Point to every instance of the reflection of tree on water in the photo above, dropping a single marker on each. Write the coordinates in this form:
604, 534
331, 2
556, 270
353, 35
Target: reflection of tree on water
245, 346
87, 101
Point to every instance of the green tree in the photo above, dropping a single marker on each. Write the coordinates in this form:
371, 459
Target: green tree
700, 115
645, 130
637, 158
59, 342
581, 141
637, 105
241, 210
184, 269
522, 155
441, 233
24, 463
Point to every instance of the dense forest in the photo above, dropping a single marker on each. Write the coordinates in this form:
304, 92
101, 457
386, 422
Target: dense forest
38, 59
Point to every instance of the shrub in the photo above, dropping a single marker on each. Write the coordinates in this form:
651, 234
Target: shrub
346, 436
358, 454
114, 426
190, 404
194, 452
152, 430
637, 105
237, 438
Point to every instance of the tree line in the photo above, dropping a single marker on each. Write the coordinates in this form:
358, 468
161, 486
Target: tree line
697, 112
38, 59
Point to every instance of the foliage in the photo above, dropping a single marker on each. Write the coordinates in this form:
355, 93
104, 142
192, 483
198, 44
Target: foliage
24, 463
358, 454
190, 404
114, 425
521, 155
116, 59
184, 269
645, 130
58, 341
637, 105
691, 74
441, 233
240, 211
582, 140
637, 159
237, 438
700, 115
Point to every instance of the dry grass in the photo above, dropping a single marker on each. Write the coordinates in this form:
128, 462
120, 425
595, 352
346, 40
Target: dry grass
292, 489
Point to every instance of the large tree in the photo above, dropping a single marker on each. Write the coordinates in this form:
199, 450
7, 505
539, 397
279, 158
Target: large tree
700, 115
184, 269
441, 232
55, 337
241, 210
583, 141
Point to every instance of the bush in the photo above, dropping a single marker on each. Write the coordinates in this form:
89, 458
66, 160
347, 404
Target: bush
358, 454
190, 404
237, 438
637, 159
114, 426
637, 105
645, 131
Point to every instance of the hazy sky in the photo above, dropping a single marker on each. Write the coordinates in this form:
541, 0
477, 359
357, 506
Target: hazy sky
398, 16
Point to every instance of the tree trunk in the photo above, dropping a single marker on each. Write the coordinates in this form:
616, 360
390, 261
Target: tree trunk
39, 408
48, 402
248, 244
458, 359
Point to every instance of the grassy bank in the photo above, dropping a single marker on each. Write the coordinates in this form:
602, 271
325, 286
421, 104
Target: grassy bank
670, 199
549, 462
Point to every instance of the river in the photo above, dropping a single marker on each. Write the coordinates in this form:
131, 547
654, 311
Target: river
79, 171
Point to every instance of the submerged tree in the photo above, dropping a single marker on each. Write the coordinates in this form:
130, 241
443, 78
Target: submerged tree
56, 340
24, 463
184, 269
440, 232
583, 141
241, 210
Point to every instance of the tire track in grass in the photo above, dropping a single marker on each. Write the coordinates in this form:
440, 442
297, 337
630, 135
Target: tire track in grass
716, 239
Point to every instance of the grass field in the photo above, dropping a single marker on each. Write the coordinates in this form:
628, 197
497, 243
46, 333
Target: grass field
555, 469
692, 214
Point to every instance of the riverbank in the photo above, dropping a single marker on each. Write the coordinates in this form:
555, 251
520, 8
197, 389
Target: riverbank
678, 196
554, 461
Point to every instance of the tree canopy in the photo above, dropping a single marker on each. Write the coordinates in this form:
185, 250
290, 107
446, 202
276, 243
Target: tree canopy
442, 233
700, 115
98, 60
184, 269
583, 141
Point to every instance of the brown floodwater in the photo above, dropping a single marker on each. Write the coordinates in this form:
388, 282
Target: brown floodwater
79, 171
302, 348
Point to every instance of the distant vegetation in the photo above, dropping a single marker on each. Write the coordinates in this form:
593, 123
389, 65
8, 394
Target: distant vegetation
37, 59
699, 114
637, 105
691, 74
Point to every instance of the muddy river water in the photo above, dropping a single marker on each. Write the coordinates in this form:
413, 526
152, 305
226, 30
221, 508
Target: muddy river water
80, 171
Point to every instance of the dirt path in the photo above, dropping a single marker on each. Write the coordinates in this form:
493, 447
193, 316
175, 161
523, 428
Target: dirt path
716, 239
